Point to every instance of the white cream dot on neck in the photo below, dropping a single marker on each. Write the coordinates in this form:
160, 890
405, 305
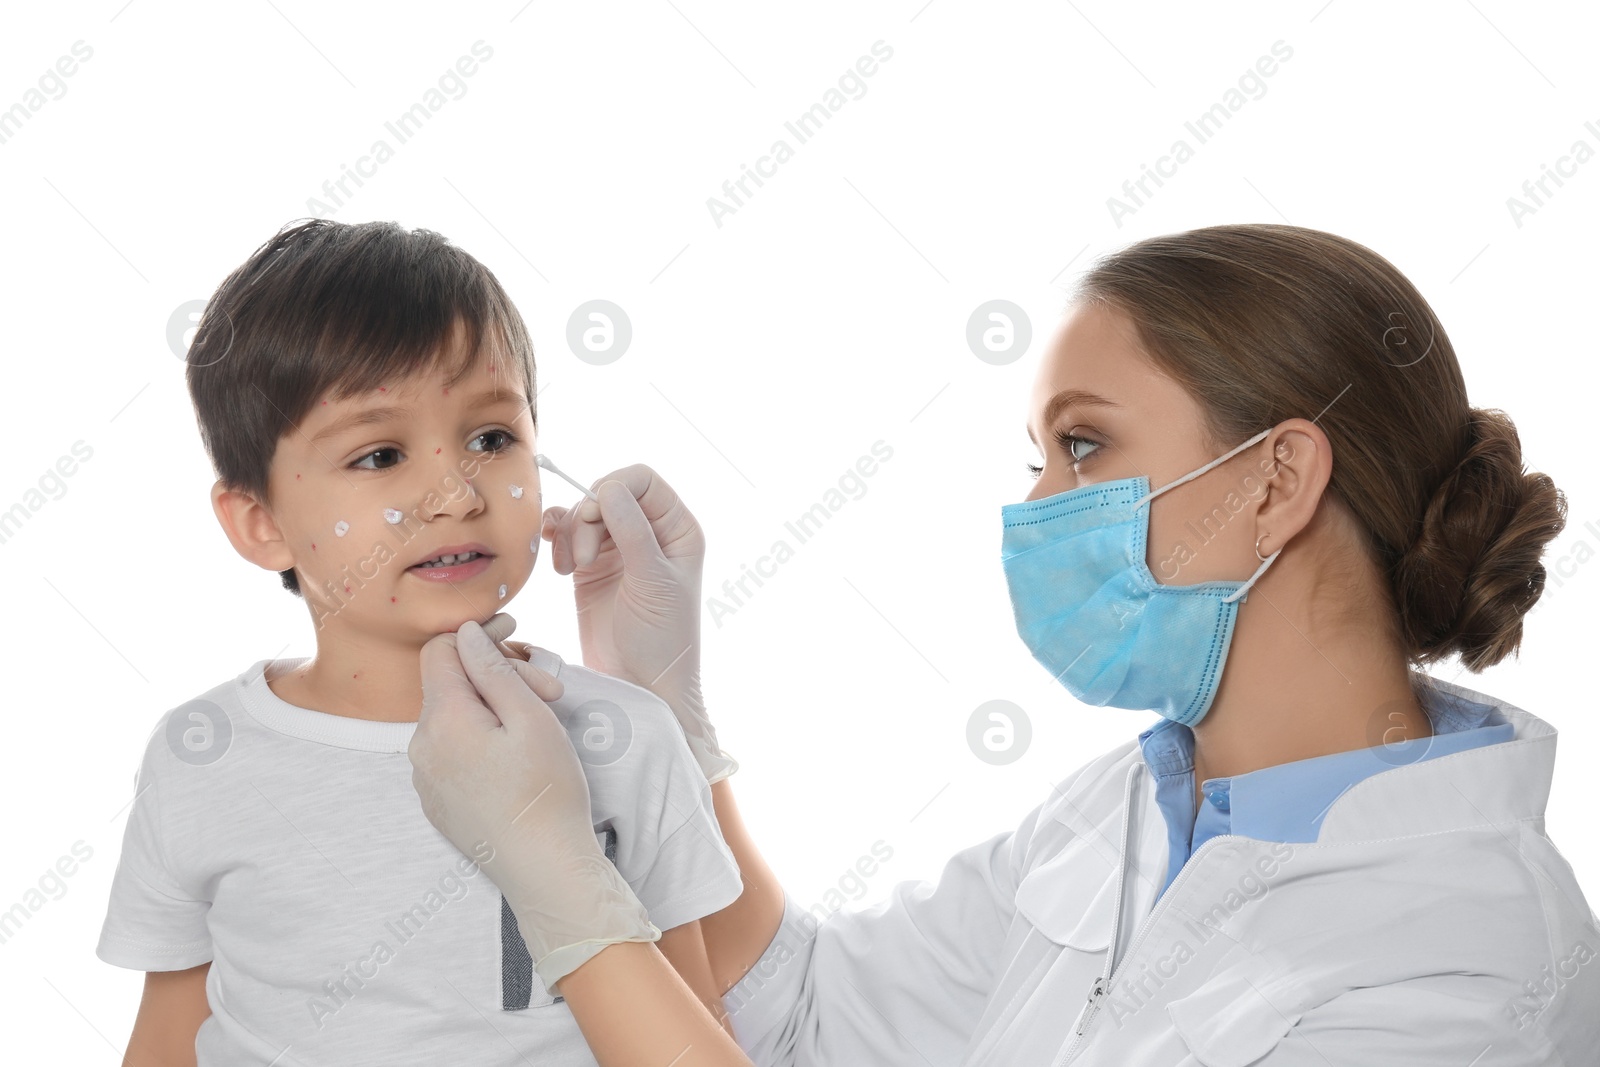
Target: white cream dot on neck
341, 528
393, 515
516, 492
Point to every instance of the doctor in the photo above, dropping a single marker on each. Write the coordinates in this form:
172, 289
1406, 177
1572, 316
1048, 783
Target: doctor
1264, 504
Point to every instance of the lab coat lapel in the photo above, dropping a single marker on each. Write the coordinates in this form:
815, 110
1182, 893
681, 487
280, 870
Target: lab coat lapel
1070, 897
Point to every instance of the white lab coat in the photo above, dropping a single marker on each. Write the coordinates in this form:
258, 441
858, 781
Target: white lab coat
1431, 923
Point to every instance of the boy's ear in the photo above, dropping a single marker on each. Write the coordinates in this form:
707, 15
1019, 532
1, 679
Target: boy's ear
251, 528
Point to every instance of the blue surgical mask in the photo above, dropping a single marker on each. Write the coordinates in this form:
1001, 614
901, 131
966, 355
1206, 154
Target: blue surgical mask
1090, 611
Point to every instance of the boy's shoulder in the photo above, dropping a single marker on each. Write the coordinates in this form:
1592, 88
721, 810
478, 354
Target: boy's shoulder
200, 731
590, 696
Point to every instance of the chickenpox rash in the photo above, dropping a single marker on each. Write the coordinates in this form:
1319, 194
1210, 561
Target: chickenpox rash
392, 600
447, 390
437, 451
381, 389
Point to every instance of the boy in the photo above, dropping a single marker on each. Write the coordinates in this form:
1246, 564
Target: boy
278, 879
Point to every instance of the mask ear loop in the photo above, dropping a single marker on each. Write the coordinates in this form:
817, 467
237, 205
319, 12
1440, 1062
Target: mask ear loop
1201, 470
1248, 582
1245, 588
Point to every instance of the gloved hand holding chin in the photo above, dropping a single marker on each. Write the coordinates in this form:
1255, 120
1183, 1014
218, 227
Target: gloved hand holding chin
497, 774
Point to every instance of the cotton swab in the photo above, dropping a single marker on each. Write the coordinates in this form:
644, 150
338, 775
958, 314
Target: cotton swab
544, 462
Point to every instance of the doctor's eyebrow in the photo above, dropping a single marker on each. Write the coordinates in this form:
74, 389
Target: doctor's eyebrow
1067, 398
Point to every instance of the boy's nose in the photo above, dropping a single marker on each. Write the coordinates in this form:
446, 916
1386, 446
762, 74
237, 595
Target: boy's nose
449, 491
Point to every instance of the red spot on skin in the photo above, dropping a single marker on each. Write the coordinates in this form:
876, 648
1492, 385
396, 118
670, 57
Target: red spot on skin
381, 389
297, 477
391, 600
313, 546
324, 403
347, 589
437, 451
447, 390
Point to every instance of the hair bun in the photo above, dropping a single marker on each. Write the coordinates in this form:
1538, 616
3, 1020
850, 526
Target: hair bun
1474, 568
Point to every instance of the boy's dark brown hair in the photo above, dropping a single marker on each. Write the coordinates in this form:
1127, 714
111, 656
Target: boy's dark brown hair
333, 308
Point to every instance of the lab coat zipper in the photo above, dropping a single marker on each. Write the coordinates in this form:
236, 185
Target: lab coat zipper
1093, 1005
1104, 985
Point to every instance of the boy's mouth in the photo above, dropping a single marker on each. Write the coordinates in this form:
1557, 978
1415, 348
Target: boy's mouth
447, 559
454, 563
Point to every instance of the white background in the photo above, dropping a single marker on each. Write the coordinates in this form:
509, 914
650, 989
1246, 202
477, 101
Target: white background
769, 353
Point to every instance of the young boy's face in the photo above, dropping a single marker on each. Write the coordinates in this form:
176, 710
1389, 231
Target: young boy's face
428, 469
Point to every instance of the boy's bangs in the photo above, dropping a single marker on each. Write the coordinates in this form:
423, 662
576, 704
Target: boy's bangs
394, 332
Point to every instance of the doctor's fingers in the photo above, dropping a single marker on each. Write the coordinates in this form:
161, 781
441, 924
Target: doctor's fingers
545, 686
551, 529
450, 703
446, 678
579, 534
671, 522
506, 687
574, 541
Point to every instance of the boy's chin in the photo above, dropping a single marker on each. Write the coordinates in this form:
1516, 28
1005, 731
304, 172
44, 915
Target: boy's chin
451, 619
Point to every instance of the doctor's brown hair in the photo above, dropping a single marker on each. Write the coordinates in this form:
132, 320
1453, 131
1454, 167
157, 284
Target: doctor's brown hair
1261, 323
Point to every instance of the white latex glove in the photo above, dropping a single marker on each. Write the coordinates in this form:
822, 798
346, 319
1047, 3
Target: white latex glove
501, 770
636, 559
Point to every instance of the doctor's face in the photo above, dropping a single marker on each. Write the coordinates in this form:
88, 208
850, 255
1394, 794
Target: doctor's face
1100, 410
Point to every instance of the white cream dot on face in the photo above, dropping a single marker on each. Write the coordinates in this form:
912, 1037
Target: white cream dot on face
393, 515
516, 492
502, 591
341, 528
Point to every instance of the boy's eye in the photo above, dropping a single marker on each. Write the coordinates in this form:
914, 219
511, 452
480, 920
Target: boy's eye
360, 464
510, 439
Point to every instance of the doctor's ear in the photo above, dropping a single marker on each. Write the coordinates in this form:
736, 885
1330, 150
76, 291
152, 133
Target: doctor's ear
1294, 475
251, 528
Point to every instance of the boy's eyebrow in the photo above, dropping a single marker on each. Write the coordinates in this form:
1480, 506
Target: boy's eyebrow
376, 415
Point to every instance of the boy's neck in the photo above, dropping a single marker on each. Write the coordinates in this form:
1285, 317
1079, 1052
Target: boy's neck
377, 682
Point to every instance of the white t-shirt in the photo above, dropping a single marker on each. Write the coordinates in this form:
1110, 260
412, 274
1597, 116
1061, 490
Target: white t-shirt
289, 847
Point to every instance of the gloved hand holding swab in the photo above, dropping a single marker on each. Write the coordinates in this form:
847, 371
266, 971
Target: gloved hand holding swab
544, 462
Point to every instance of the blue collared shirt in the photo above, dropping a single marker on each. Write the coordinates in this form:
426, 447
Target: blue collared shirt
1287, 802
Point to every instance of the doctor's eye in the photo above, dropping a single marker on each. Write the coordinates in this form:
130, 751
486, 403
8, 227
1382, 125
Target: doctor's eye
1069, 442
1034, 470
